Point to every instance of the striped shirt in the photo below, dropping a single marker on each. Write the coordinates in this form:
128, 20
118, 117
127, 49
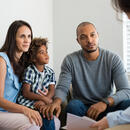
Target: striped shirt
37, 80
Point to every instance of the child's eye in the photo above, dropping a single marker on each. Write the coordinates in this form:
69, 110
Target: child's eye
92, 35
43, 52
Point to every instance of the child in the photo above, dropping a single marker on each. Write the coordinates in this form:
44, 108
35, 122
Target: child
39, 79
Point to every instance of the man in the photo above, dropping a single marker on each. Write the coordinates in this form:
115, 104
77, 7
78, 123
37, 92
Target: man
92, 71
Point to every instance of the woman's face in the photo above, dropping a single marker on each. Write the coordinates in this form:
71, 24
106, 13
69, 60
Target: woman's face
23, 39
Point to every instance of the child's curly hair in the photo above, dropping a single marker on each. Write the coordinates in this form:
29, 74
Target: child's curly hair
35, 45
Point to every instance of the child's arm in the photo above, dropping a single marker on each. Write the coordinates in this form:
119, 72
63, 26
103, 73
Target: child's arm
33, 96
51, 91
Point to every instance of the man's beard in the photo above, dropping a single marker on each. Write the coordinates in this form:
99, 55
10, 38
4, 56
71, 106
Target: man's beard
90, 51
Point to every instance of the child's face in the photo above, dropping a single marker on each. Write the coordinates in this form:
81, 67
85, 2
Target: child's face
42, 56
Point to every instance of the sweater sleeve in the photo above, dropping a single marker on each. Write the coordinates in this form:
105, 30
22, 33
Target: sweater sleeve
65, 79
121, 81
118, 117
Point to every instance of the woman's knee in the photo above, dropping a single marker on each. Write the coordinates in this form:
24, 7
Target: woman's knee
11, 121
57, 123
33, 127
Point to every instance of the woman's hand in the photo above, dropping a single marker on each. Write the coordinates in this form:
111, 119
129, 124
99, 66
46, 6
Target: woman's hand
101, 125
33, 116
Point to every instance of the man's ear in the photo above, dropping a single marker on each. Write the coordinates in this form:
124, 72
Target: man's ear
77, 40
98, 34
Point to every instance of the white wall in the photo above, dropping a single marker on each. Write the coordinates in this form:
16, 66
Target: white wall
69, 13
38, 13
58, 19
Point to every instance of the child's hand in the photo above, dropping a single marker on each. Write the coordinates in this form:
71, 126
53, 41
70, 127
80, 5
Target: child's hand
45, 99
45, 91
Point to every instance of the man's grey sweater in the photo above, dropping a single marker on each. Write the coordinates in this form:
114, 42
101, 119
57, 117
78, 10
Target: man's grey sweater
93, 80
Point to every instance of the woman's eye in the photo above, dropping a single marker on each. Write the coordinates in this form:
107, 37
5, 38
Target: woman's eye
22, 36
29, 36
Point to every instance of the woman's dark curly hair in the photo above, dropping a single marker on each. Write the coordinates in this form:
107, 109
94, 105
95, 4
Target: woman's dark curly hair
35, 45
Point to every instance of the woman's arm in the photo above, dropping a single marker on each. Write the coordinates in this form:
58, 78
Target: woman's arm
13, 107
113, 119
32, 96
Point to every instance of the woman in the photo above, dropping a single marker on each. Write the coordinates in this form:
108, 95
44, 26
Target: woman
12, 55
117, 117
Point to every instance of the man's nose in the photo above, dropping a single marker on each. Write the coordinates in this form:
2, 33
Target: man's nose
89, 39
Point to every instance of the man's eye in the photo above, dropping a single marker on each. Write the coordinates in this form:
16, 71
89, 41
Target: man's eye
82, 37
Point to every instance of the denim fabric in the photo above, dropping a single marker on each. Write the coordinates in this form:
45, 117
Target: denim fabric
48, 124
77, 107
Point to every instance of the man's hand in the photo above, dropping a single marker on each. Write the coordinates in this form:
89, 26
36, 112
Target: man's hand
96, 109
48, 110
38, 105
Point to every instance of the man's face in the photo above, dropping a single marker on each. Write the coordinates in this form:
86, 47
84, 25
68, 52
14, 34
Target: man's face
87, 37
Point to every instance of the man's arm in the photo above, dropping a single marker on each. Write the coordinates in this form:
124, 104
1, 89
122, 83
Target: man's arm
65, 80
120, 79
